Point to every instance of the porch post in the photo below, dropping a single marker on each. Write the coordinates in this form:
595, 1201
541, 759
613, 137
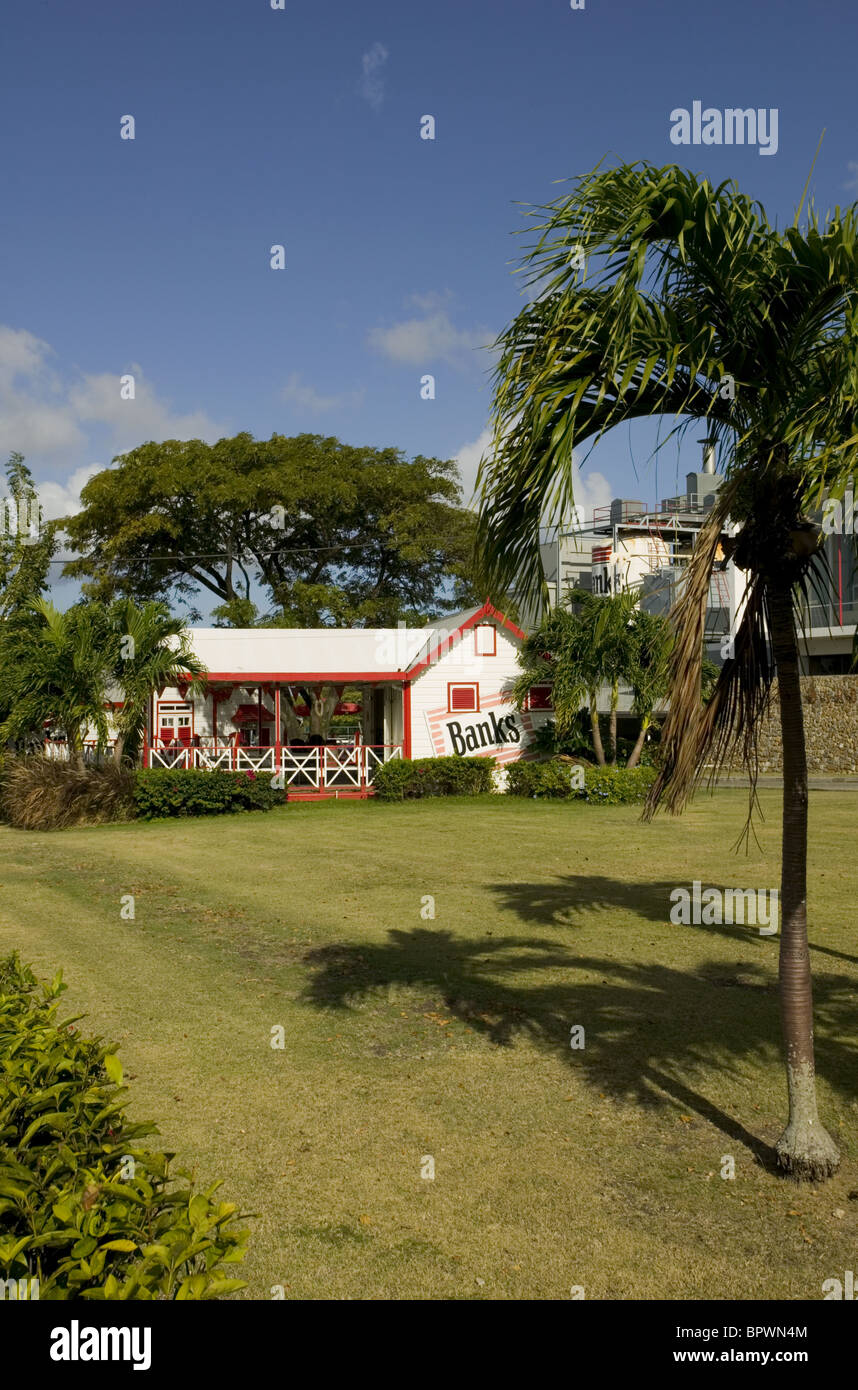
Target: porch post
406, 719
278, 747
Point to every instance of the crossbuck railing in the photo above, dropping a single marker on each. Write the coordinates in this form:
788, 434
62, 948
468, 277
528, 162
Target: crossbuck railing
336, 766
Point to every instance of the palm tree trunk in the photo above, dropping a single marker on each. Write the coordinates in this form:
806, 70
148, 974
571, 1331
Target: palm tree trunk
119, 749
638, 748
612, 730
805, 1149
595, 731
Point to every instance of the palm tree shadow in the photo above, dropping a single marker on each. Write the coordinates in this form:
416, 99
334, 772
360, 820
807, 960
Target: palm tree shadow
572, 898
652, 1033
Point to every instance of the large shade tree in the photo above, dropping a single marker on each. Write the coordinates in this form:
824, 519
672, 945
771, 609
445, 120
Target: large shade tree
324, 533
693, 305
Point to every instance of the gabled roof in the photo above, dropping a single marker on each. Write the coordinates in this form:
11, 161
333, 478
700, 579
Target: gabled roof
313, 655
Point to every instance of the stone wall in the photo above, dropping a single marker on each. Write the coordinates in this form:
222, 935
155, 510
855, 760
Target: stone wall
830, 725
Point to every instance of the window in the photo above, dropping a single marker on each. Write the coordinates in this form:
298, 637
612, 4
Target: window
539, 698
463, 699
485, 639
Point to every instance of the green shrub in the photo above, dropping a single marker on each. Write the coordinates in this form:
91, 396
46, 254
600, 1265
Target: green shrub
38, 793
550, 779
84, 1209
603, 785
404, 778
611, 786
197, 792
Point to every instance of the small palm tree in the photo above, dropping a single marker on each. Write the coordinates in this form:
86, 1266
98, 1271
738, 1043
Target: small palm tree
699, 309
57, 670
561, 653
151, 651
647, 670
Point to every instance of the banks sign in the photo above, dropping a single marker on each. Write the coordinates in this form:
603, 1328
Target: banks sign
498, 730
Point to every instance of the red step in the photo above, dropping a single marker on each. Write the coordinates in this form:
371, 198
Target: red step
354, 794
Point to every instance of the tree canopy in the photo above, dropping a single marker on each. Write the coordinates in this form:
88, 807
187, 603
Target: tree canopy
335, 535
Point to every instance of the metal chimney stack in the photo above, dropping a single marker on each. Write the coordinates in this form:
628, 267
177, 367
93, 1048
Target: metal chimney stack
708, 454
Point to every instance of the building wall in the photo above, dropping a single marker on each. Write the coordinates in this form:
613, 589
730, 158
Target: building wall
494, 674
831, 726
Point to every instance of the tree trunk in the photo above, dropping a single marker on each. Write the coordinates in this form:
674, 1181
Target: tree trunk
638, 748
612, 730
596, 731
119, 749
805, 1149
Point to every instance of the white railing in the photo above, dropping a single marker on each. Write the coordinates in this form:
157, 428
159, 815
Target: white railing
93, 752
335, 767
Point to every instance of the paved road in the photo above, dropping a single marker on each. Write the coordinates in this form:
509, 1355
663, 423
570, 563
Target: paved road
817, 782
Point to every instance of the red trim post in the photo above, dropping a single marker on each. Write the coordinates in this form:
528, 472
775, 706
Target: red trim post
406, 719
278, 747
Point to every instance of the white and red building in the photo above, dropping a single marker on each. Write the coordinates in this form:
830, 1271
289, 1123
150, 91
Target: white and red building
424, 692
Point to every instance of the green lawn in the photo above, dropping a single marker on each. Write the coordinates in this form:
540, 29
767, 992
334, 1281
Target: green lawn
406, 1036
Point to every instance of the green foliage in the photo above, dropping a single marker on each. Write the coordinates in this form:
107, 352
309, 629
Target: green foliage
55, 668
402, 779
152, 651
609, 786
160, 792
24, 557
46, 794
84, 1208
336, 535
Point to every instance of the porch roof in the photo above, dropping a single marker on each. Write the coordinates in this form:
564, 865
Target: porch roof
306, 654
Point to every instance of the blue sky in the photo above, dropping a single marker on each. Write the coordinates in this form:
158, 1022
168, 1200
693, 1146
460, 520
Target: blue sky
300, 127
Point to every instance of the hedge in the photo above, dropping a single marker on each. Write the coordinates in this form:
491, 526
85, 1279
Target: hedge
405, 778
602, 785
85, 1210
197, 792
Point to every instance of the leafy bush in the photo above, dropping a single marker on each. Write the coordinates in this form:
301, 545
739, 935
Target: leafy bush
38, 793
197, 792
84, 1209
611, 786
550, 779
404, 778
554, 779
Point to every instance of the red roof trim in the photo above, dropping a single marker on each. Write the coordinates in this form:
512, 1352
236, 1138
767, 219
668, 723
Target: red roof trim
308, 677
487, 611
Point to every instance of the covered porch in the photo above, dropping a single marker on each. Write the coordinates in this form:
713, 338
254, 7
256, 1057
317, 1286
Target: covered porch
299, 731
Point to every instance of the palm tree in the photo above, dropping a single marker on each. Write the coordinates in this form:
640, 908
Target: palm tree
562, 653
152, 651
697, 308
647, 670
57, 670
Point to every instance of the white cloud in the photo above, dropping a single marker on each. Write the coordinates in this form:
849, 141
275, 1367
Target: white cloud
46, 413
372, 82
591, 490
468, 458
63, 499
852, 181
306, 397
418, 342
